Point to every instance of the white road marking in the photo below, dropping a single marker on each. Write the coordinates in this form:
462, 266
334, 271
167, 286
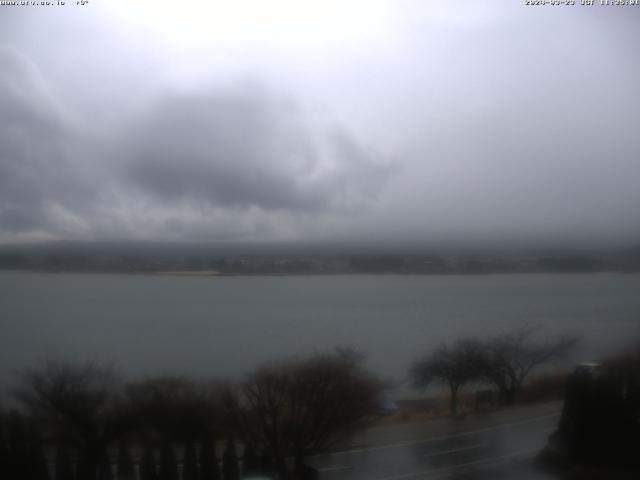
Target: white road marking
334, 469
437, 438
441, 472
454, 450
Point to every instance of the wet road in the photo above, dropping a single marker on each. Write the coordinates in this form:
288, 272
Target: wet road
500, 445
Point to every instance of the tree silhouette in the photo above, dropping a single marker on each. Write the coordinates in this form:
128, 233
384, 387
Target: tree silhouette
21, 453
104, 470
189, 463
126, 470
251, 462
300, 407
64, 469
175, 408
453, 365
37, 468
17, 454
624, 368
77, 402
5, 465
230, 470
148, 465
168, 464
209, 468
510, 358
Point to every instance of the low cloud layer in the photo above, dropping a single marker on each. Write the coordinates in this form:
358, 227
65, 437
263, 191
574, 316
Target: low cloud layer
450, 123
39, 184
236, 152
244, 148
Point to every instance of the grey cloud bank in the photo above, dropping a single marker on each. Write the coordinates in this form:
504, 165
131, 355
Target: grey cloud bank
454, 124
182, 163
38, 174
241, 148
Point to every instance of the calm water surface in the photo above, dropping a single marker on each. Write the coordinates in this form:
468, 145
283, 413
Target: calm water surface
224, 326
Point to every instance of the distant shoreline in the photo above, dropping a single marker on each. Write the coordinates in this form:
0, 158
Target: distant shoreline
207, 265
216, 273
188, 273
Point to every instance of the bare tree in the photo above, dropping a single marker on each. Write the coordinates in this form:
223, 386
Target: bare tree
624, 368
78, 402
209, 468
189, 462
230, 468
177, 408
168, 469
513, 356
453, 365
126, 469
148, 464
21, 452
299, 407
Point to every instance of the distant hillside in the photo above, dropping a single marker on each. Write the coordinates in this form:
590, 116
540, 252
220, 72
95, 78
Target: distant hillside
233, 260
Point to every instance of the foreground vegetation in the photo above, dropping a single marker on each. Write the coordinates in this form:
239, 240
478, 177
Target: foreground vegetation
276, 260
287, 410
505, 361
599, 430
87, 422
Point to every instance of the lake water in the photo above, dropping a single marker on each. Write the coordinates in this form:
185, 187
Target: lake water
224, 326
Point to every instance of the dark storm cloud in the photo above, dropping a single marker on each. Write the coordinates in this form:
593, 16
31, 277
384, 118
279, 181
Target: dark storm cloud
503, 123
38, 178
239, 149
246, 147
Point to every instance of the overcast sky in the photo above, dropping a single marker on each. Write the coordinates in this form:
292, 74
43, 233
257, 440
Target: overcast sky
267, 120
